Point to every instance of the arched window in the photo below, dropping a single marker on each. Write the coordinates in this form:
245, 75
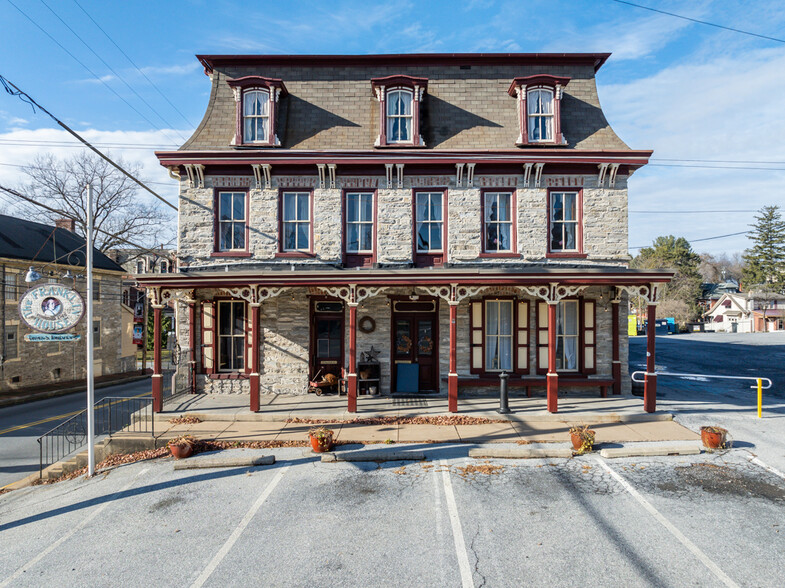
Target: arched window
256, 116
139, 267
539, 103
399, 116
164, 267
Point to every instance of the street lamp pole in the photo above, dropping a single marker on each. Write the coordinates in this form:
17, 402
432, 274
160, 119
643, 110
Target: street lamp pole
90, 336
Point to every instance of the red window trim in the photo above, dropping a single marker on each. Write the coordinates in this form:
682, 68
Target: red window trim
516, 369
513, 252
519, 88
351, 259
273, 87
294, 254
418, 87
227, 375
217, 251
579, 252
430, 259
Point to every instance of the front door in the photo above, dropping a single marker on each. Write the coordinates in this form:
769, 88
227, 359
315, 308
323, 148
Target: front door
327, 339
415, 348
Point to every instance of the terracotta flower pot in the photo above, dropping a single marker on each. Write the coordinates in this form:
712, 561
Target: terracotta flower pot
713, 437
181, 451
321, 445
577, 440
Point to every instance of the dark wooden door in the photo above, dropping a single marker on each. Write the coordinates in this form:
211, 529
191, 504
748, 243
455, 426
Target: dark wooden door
415, 341
327, 345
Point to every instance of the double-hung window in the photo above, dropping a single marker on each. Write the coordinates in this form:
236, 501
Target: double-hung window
567, 336
498, 222
399, 116
498, 335
232, 222
540, 115
256, 116
296, 224
9, 287
231, 335
430, 222
564, 222
359, 222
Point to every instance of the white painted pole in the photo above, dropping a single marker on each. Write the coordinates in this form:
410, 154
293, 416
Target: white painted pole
90, 375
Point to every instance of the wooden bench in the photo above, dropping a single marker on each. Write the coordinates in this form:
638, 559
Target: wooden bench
528, 381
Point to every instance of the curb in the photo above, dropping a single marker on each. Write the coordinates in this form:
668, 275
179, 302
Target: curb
373, 455
225, 462
522, 452
648, 451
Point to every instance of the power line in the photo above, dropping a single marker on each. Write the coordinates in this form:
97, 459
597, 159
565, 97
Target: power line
725, 167
683, 211
119, 77
25, 97
703, 22
96, 76
703, 239
26, 166
134, 64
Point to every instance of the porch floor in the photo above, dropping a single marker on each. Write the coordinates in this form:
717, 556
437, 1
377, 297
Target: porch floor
281, 407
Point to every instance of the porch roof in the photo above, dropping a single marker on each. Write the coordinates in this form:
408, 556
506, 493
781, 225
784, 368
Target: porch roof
294, 276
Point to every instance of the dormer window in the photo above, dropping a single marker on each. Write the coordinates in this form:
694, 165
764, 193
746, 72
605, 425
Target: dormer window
256, 100
539, 109
399, 110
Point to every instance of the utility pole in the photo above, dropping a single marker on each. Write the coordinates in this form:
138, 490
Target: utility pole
90, 336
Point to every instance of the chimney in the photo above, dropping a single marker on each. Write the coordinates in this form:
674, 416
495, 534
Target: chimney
68, 224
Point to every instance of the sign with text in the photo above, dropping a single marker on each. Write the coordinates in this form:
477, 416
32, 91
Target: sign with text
48, 337
138, 336
51, 308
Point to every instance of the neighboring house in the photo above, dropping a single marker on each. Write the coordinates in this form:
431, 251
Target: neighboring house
145, 261
463, 215
710, 293
749, 312
53, 251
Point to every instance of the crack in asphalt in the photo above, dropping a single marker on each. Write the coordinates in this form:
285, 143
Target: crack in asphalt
477, 559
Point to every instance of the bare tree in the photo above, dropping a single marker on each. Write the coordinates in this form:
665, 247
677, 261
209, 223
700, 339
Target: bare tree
117, 207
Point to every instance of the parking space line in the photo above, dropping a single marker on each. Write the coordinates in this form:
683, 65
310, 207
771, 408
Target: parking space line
238, 530
694, 549
68, 535
457, 531
766, 466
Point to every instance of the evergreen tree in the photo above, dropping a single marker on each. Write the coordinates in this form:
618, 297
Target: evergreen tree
166, 326
765, 260
680, 296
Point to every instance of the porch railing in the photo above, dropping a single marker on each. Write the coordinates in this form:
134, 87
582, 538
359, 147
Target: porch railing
112, 415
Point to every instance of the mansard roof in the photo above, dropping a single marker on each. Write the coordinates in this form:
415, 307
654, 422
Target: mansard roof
466, 106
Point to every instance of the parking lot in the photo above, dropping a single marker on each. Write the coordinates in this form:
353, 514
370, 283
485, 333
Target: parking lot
447, 521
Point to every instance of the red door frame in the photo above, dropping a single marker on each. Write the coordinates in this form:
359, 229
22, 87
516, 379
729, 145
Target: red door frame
312, 315
434, 317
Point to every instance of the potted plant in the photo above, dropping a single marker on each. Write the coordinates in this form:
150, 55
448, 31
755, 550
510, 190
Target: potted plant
182, 446
714, 437
582, 438
321, 439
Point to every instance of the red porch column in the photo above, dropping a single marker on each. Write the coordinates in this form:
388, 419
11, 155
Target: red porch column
616, 365
254, 377
552, 377
158, 399
650, 382
452, 376
352, 375
192, 343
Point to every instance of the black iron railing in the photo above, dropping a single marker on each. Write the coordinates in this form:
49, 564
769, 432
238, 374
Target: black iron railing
113, 415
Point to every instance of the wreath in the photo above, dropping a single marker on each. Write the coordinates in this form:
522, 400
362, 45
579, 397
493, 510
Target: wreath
404, 344
367, 324
426, 345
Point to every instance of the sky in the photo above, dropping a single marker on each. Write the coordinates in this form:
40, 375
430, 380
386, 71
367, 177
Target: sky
708, 101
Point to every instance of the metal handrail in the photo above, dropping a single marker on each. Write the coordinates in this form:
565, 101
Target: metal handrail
758, 382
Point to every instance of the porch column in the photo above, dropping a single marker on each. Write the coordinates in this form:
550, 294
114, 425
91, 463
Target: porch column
616, 365
650, 382
254, 377
452, 376
158, 399
352, 375
552, 376
192, 343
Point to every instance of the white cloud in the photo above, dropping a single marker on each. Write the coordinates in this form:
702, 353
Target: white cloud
169, 70
728, 108
99, 80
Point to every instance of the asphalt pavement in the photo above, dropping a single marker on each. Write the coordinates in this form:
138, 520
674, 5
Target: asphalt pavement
22, 424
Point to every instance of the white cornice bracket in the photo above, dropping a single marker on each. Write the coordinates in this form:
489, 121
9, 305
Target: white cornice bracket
538, 174
470, 174
321, 168
399, 168
612, 177
603, 167
331, 169
459, 174
389, 169
527, 172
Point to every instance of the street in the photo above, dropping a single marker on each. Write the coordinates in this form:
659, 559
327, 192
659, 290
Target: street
22, 424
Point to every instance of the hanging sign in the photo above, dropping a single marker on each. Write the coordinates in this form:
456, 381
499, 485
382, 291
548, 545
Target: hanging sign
51, 308
139, 312
46, 337
138, 337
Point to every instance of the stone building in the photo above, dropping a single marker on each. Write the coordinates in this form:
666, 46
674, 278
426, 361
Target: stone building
54, 252
458, 216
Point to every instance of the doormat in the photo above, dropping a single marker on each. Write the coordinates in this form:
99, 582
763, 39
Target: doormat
409, 402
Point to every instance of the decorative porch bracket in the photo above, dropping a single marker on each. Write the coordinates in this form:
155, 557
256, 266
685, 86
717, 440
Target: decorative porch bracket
352, 295
552, 294
454, 294
254, 295
651, 295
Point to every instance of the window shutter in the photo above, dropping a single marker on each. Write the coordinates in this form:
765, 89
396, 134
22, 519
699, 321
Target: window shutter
589, 337
208, 337
476, 346
522, 338
248, 339
542, 337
